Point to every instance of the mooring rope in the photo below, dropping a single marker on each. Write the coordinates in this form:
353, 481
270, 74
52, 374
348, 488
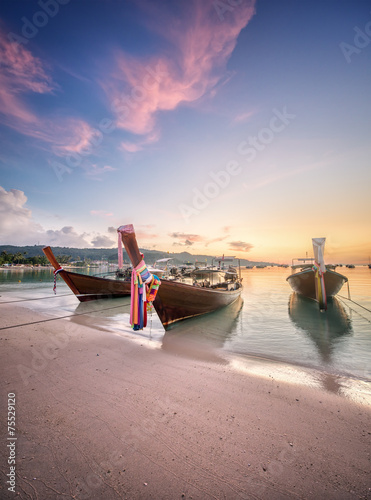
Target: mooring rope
37, 298
360, 305
354, 302
61, 317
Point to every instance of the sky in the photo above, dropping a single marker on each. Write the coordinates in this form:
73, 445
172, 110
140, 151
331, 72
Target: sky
236, 127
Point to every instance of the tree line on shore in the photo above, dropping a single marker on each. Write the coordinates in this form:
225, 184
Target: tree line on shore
33, 254
7, 258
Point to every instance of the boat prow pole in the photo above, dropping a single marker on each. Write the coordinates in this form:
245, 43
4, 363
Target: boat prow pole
320, 269
129, 241
51, 258
53, 261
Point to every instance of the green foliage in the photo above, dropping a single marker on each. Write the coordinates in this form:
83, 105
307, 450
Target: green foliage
63, 259
19, 258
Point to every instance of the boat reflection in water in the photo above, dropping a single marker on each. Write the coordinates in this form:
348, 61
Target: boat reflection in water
198, 338
102, 314
324, 329
201, 337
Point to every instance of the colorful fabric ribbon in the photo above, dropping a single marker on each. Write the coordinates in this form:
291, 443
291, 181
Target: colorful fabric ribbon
320, 286
144, 288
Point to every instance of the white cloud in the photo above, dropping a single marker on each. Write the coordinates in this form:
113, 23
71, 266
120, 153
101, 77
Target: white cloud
66, 237
17, 226
102, 242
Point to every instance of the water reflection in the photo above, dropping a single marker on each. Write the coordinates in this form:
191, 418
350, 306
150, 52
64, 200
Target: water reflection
323, 328
100, 313
198, 338
201, 337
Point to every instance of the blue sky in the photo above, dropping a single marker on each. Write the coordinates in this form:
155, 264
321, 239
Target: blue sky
212, 126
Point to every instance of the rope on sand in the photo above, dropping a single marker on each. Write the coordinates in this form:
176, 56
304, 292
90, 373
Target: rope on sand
37, 298
59, 317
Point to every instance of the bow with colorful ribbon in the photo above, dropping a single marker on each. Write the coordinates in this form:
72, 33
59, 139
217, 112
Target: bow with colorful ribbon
144, 288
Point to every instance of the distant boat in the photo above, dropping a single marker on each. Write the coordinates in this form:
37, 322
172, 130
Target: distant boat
313, 279
177, 301
160, 267
89, 287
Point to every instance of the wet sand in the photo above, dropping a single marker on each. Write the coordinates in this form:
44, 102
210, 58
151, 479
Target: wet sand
101, 417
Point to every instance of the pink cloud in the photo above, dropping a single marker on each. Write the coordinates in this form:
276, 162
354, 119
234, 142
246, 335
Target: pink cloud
215, 240
131, 147
21, 73
200, 46
240, 246
70, 135
243, 117
138, 145
187, 237
94, 170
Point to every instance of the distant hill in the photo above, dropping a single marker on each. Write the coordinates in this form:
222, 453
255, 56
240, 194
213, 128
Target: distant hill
110, 254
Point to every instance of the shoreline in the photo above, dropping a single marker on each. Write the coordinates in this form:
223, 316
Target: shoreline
194, 346
100, 416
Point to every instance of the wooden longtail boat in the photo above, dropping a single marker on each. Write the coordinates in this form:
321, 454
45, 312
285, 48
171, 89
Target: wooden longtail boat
313, 279
89, 287
178, 301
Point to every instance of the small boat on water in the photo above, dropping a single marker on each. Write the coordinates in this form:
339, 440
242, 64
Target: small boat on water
161, 267
89, 287
177, 301
313, 279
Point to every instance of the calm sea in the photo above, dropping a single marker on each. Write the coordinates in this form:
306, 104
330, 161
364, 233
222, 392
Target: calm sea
270, 324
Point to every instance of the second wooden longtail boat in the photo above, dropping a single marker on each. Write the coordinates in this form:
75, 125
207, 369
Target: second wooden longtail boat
89, 287
177, 301
313, 279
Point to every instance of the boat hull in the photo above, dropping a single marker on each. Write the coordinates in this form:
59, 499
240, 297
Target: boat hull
178, 301
92, 287
304, 283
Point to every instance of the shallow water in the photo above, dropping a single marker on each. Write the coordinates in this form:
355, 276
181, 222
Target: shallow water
269, 322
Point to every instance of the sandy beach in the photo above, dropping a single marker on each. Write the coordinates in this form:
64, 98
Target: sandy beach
101, 417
